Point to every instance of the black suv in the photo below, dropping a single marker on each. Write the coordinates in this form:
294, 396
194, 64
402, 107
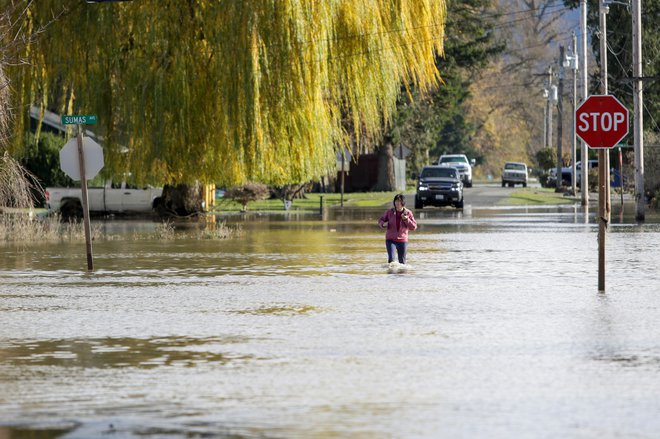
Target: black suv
439, 186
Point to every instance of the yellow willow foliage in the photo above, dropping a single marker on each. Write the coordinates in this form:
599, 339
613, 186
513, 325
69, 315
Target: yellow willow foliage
231, 90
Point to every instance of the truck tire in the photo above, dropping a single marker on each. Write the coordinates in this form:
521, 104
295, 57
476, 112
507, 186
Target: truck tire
157, 203
159, 207
459, 204
71, 210
418, 203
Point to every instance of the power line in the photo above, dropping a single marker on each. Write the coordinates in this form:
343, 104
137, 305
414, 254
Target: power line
499, 25
611, 50
518, 20
496, 25
627, 77
557, 40
525, 11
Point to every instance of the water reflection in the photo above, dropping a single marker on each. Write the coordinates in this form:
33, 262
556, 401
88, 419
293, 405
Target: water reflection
611, 342
282, 310
298, 328
649, 361
121, 352
36, 432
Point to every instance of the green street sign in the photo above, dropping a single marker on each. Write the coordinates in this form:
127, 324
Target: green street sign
80, 119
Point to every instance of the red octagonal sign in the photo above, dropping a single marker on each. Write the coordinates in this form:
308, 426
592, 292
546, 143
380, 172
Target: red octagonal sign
601, 121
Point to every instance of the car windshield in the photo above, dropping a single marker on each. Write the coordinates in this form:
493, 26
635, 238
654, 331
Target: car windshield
515, 166
453, 160
438, 172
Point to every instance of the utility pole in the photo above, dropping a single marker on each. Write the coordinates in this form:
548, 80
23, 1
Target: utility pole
574, 140
574, 66
546, 95
603, 159
602, 15
548, 110
604, 164
560, 118
585, 91
638, 128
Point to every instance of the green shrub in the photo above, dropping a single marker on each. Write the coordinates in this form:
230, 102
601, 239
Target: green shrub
247, 193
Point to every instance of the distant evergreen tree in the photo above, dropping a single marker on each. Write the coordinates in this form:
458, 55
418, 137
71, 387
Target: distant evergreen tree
436, 123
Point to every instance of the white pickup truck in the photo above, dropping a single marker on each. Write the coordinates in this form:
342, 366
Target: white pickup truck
111, 198
460, 162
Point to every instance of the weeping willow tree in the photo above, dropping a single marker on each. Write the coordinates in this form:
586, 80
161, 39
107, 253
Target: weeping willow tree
227, 91
17, 185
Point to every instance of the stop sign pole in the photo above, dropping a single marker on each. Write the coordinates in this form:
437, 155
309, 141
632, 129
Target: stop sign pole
601, 121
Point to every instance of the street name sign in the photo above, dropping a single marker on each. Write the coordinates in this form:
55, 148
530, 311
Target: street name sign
70, 164
80, 119
601, 121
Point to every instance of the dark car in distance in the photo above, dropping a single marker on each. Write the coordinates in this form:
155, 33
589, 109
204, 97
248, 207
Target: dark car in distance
439, 186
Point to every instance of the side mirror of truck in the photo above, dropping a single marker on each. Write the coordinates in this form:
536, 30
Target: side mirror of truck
473, 162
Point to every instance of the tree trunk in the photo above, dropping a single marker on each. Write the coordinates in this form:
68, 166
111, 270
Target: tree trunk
180, 201
289, 191
386, 180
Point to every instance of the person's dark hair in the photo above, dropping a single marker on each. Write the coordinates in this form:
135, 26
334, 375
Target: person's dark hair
401, 198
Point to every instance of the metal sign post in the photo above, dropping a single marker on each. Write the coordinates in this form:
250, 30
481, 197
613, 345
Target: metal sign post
82, 172
602, 216
85, 201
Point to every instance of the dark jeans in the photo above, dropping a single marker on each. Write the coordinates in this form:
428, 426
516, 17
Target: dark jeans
400, 247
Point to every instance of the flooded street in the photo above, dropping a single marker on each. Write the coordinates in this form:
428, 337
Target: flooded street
298, 328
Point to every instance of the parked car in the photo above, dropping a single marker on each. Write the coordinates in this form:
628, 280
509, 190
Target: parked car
460, 162
111, 198
567, 173
591, 165
439, 186
514, 173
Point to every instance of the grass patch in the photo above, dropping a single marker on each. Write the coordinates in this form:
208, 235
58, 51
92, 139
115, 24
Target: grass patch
166, 231
21, 228
311, 202
536, 196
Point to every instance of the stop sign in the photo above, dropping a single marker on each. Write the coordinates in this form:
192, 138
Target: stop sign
601, 121
70, 163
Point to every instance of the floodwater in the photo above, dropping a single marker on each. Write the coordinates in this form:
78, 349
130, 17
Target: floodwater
298, 329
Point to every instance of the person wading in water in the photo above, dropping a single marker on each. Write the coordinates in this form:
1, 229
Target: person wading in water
398, 221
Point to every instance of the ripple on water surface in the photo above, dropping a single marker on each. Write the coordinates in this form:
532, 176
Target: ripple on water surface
493, 330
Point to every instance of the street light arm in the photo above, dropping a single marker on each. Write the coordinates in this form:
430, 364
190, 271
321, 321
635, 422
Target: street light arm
615, 2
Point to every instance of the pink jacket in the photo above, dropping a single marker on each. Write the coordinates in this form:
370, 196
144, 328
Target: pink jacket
400, 234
